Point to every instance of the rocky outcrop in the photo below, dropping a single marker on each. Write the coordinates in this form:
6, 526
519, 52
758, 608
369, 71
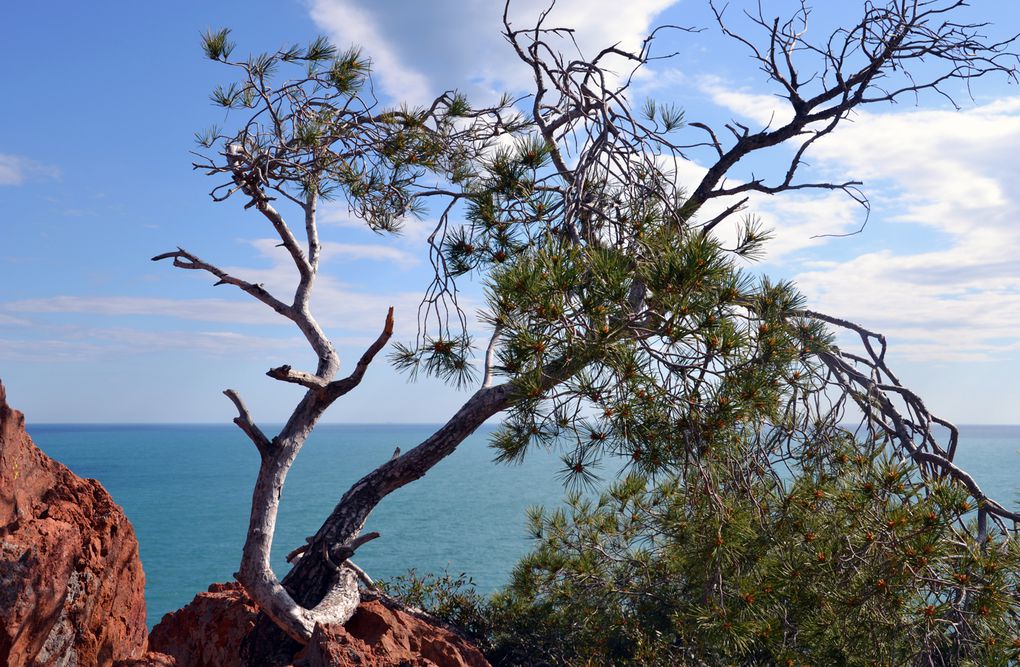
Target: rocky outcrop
71, 584
378, 636
208, 632
149, 660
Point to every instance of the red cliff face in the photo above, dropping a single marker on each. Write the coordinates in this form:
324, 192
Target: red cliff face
71, 584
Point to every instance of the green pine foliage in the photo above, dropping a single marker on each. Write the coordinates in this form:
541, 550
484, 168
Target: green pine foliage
315, 129
850, 561
747, 526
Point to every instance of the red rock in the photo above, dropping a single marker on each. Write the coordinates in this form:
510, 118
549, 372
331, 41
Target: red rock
209, 631
378, 636
148, 660
71, 584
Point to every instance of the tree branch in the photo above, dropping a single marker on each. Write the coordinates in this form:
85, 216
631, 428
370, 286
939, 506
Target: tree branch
246, 424
286, 374
868, 391
185, 260
338, 388
251, 180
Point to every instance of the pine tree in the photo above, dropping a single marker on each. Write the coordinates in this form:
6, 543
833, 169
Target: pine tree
749, 525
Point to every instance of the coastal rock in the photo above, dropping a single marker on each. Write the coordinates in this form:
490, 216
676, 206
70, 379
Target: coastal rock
148, 660
379, 636
208, 632
71, 584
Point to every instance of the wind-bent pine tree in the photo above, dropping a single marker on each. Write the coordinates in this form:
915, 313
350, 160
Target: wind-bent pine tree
617, 320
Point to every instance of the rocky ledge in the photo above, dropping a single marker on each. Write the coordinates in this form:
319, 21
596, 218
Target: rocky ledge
208, 633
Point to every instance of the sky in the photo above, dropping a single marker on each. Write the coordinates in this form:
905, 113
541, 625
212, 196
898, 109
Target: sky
102, 101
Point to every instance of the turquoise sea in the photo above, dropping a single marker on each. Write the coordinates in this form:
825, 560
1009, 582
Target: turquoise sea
187, 490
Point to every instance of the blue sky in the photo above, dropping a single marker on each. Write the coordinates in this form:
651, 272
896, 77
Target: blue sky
102, 100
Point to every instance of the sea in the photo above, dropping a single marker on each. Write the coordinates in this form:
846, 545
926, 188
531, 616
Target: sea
187, 491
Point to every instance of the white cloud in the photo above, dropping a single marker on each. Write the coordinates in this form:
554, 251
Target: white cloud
339, 308
766, 110
333, 251
349, 23
948, 184
936, 269
8, 320
421, 49
798, 220
16, 170
413, 232
46, 350
348, 313
350, 318
338, 214
83, 344
205, 310
367, 251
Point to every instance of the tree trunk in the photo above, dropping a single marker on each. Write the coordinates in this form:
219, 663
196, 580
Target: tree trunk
312, 577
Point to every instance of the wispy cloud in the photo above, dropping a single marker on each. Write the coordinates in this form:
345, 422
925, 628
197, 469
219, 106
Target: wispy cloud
9, 320
412, 234
348, 313
765, 110
17, 170
85, 344
421, 49
936, 270
798, 221
335, 252
348, 23
371, 252
204, 310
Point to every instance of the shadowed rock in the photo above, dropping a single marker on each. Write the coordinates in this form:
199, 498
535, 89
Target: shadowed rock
208, 632
71, 584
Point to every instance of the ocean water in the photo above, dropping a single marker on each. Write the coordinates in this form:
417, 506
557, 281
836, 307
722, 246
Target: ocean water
187, 491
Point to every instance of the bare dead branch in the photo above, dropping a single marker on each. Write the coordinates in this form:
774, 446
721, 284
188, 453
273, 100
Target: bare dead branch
888, 41
870, 392
250, 181
338, 388
185, 260
244, 421
362, 575
287, 374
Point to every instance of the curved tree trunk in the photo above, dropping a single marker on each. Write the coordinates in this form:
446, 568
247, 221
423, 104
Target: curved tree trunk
313, 576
